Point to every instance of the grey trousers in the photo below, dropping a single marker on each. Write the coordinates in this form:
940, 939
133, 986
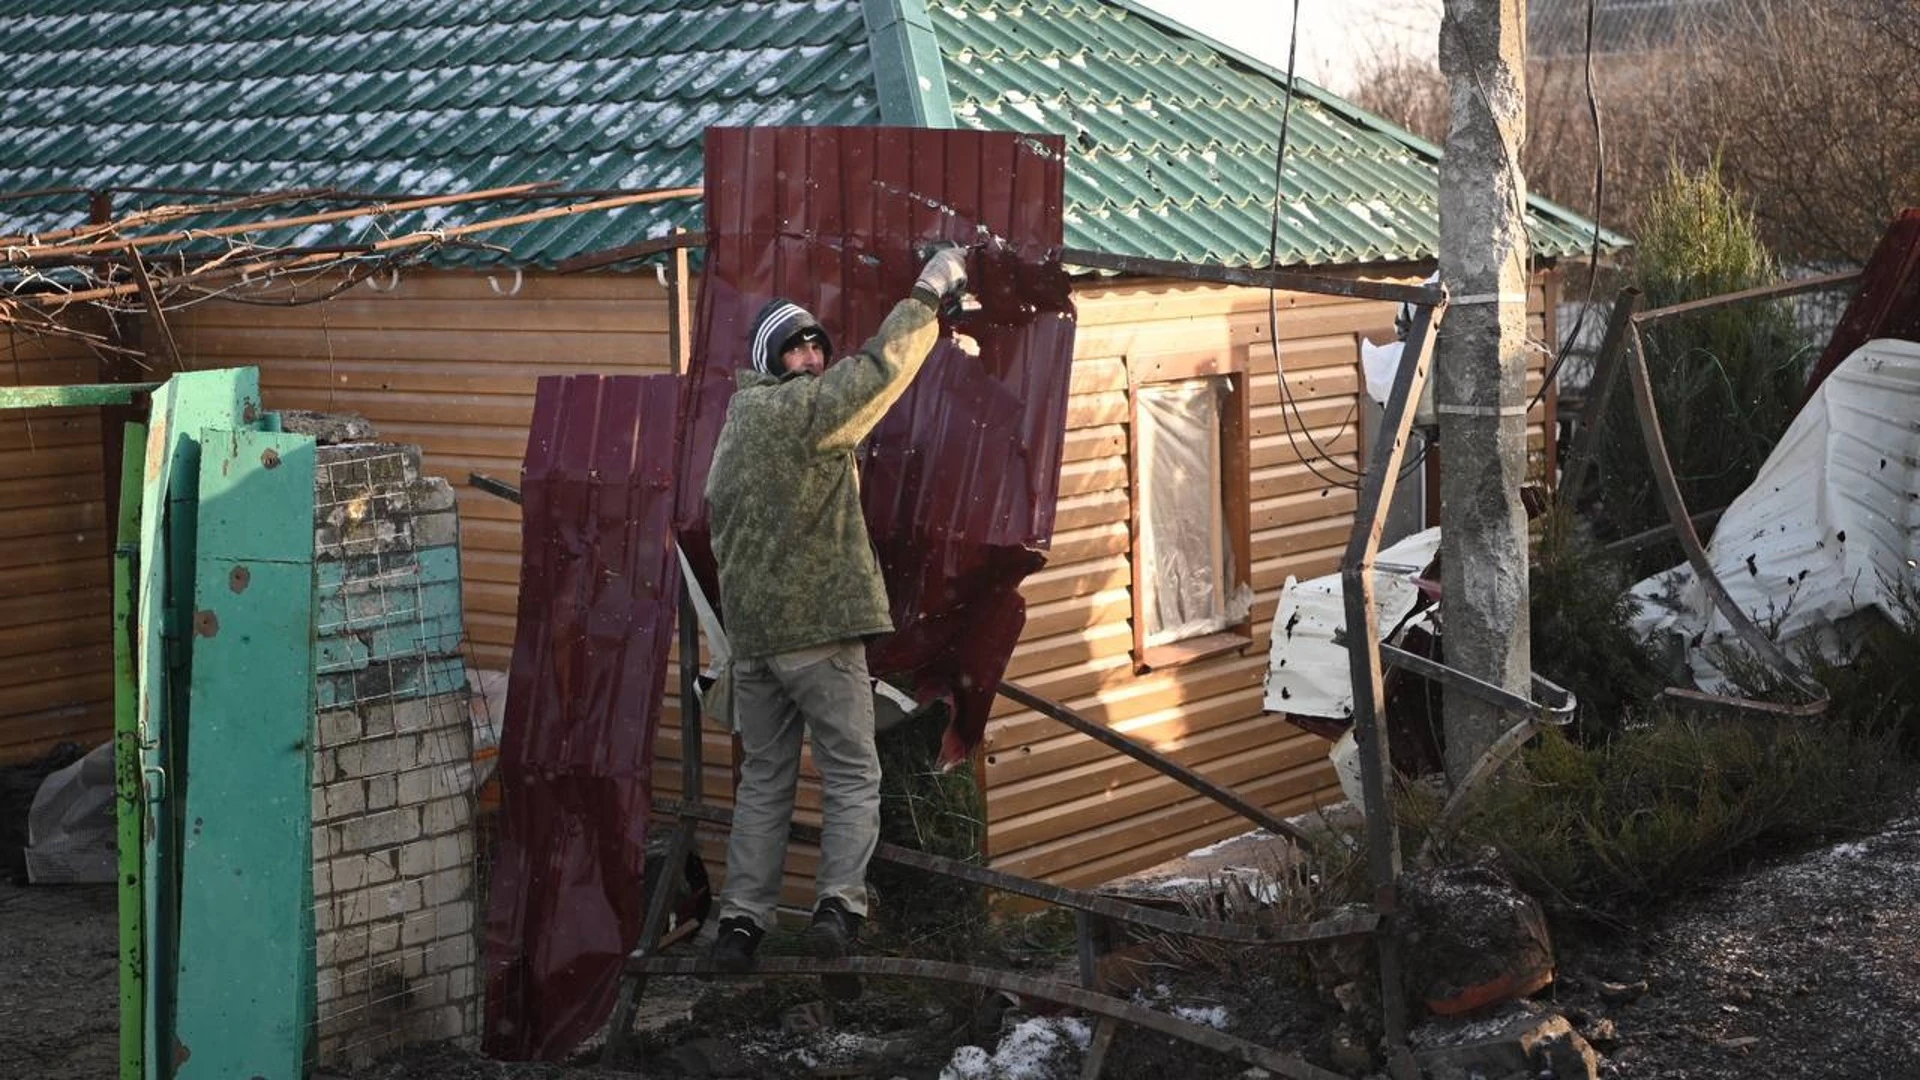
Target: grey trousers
824, 689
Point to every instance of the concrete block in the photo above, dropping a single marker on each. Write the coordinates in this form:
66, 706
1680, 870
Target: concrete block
382, 792
448, 815
449, 887
453, 850
454, 952
416, 859
384, 829
436, 530
339, 726
461, 982
322, 881
344, 798
360, 870
420, 928
368, 757
419, 786
431, 493
456, 919
378, 718
1523, 1041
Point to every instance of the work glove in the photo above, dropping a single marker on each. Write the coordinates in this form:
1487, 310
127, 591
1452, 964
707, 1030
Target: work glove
945, 273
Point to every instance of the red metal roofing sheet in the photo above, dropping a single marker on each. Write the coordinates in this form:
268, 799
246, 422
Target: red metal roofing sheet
598, 587
1888, 303
960, 479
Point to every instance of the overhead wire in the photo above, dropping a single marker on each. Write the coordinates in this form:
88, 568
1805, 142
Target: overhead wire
1593, 253
1290, 408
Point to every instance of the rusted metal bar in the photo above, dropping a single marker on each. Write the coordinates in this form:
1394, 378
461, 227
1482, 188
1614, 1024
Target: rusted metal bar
1659, 532
168, 347
679, 240
1748, 705
1762, 292
619, 1046
1352, 925
1161, 763
170, 212
1291, 280
494, 487
1556, 702
1363, 661
1490, 763
318, 218
1249, 1053
1669, 486
1593, 415
413, 239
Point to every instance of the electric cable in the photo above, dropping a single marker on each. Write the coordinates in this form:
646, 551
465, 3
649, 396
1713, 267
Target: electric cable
1593, 253
1290, 407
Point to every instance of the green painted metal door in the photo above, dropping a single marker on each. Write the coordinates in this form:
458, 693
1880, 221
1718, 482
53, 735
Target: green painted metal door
246, 871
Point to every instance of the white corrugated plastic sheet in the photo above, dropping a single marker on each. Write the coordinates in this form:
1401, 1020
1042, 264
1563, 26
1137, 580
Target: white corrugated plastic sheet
1826, 529
1307, 672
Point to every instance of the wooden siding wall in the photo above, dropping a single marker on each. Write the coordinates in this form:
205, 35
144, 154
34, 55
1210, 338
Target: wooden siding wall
56, 574
447, 363
1062, 808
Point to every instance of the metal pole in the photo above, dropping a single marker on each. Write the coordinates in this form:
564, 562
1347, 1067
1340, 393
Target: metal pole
1363, 658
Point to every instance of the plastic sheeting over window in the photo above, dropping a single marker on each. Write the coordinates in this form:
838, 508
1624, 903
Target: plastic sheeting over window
1190, 584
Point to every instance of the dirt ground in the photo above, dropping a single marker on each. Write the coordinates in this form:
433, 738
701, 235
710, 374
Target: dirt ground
1802, 967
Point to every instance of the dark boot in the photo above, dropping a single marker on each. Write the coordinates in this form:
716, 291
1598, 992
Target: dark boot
734, 946
832, 937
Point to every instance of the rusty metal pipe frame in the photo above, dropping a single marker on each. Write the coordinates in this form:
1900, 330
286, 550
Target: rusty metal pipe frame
1249, 1053
1364, 665
1556, 703
1748, 631
1340, 926
1160, 763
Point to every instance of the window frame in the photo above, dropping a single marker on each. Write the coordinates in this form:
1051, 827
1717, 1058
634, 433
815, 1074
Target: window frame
1236, 496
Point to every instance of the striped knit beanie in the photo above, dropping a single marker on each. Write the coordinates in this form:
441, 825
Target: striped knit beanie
774, 332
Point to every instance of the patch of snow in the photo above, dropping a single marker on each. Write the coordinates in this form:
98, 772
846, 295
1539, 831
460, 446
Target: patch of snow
1031, 1051
1213, 1016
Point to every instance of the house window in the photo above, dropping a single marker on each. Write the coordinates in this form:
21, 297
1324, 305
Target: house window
1191, 596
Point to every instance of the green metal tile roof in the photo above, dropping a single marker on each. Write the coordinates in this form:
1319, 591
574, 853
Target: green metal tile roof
1172, 135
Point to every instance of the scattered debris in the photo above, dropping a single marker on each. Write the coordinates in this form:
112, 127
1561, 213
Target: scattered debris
1817, 536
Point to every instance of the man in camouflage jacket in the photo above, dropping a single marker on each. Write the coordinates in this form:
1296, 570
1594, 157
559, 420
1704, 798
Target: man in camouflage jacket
801, 592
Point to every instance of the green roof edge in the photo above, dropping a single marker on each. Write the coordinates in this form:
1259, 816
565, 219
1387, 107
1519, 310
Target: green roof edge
909, 76
1331, 101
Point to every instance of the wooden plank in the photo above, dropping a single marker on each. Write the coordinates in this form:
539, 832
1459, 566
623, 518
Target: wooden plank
1076, 545
25, 737
1092, 857
1092, 475
355, 312
1101, 443
1106, 790
1091, 509
1077, 613
1094, 410
1140, 698
1062, 578
553, 350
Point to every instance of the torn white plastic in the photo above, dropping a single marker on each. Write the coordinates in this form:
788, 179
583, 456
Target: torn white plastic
1307, 667
1825, 529
70, 827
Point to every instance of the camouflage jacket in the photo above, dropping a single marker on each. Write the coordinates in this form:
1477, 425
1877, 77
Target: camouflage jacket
797, 567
